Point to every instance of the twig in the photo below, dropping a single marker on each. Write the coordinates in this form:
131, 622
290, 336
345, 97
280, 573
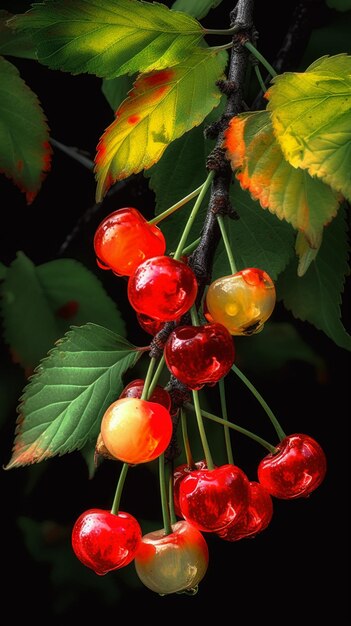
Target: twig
74, 153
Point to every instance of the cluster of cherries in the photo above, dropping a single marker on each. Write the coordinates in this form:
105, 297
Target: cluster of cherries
219, 500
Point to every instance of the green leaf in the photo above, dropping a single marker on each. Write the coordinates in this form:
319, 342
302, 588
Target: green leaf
25, 153
257, 238
109, 38
305, 253
196, 8
161, 107
339, 5
316, 297
115, 90
311, 114
3, 270
53, 296
13, 43
62, 407
255, 154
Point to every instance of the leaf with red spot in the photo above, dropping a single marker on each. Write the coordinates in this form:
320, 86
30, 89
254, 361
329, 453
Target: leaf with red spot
25, 152
161, 107
292, 194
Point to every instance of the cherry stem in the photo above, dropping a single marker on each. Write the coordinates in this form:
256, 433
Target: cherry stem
156, 376
260, 58
241, 430
171, 497
119, 489
194, 316
278, 429
176, 206
186, 442
192, 246
228, 444
260, 79
204, 442
179, 251
226, 242
164, 500
145, 394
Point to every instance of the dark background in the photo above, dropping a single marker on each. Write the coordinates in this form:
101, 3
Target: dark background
294, 569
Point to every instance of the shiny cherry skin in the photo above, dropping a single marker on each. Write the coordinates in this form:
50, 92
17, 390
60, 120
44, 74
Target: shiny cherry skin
241, 302
162, 288
134, 389
104, 541
199, 355
172, 563
179, 473
213, 499
255, 519
124, 239
297, 469
136, 431
151, 326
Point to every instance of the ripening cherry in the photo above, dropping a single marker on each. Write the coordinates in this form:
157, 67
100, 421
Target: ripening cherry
297, 469
136, 431
151, 326
104, 541
212, 499
199, 355
256, 517
124, 239
241, 302
179, 473
172, 563
162, 288
134, 389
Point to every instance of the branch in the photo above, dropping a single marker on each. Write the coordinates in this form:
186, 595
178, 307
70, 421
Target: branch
74, 153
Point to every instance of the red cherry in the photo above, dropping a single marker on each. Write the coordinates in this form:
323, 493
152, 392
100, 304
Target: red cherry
162, 288
179, 473
256, 517
295, 470
213, 499
172, 563
150, 325
159, 395
124, 239
136, 431
103, 541
199, 355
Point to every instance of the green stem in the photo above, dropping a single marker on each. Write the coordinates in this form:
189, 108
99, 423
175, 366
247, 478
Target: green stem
227, 31
204, 442
278, 429
148, 377
241, 430
171, 498
176, 206
228, 249
163, 491
228, 444
260, 58
156, 376
186, 442
194, 316
191, 247
260, 79
119, 489
179, 251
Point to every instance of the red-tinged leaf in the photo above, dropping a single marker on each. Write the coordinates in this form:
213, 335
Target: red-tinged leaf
25, 152
292, 194
161, 107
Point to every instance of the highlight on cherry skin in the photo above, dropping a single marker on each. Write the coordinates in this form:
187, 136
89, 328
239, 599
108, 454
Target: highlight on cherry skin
134, 389
256, 517
172, 563
103, 541
297, 469
124, 239
162, 288
199, 355
213, 499
242, 302
136, 431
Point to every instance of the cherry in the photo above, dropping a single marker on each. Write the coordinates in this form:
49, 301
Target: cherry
159, 395
179, 473
104, 541
256, 517
241, 302
172, 563
298, 467
150, 325
136, 431
199, 355
162, 288
124, 239
213, 499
